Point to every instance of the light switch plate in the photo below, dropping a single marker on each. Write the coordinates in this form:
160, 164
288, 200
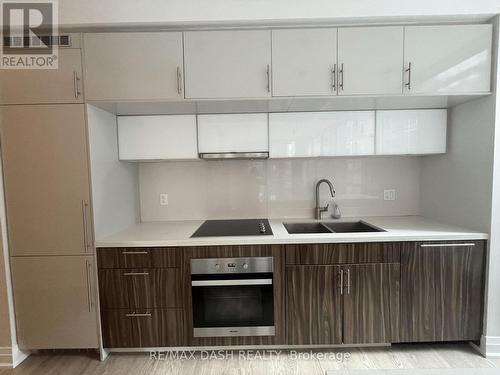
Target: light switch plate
163, 199
390, 195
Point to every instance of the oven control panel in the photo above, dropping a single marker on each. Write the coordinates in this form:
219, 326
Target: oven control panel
231, 265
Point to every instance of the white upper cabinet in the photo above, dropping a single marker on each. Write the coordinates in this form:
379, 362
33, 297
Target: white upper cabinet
128, 66
447, 59
42, 86
157, 137
304, 62
411, 132
233, 133
370, 60
314, 134
228, 64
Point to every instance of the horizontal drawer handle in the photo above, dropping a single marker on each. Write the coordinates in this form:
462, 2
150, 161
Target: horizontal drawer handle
134, 252
448, 244
231, 282
136, 274
138, 315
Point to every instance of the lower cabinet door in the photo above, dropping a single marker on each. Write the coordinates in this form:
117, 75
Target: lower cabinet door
371, 303
55, 302
442, 291
313, 305
124, 328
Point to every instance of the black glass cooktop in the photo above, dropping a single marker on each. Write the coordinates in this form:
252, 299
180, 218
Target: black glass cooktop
243, 227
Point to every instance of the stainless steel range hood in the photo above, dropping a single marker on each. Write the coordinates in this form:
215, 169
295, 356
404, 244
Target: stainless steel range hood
233, 155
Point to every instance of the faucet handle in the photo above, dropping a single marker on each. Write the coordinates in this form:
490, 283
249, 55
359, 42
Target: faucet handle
325, 209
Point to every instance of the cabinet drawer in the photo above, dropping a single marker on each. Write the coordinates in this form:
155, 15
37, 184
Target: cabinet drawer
138, 257
123, 328
344, 253
140, 288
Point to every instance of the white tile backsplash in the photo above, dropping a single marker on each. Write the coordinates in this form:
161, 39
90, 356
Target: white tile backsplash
277, 188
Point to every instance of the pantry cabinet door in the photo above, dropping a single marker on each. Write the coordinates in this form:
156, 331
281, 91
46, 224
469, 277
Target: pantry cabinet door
128, 66
370, 60
304, 62
447, 59
228, 64
55, 302
46, 177
42, 86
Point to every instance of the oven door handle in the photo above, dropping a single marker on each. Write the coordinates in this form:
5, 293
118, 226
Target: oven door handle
233, 282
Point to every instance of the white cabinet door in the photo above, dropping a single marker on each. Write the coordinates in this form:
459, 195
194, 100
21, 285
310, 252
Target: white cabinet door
55, 302
411, 131
35, 86
304, 62
370, 60
128, 66
448, 59
228, 64
233, 133
313, 134
157, 137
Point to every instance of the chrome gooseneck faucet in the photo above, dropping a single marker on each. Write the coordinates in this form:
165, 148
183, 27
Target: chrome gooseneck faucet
318, 210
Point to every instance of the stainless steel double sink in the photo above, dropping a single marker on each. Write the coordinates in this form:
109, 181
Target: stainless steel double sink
330, 227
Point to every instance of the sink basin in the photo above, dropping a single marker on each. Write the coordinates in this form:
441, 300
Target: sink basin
352, 227
330, 227
302, 228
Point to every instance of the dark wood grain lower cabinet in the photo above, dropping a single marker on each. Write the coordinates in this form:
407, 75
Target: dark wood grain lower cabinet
371, 299
313, 305
140, 288
149, 328
442, 291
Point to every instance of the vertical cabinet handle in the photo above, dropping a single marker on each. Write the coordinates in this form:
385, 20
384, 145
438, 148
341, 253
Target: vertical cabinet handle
76, 85
408, 84
268, 76
348, 281
87, 243
179, 81
334, 77
341, 77
88, 271
341, 282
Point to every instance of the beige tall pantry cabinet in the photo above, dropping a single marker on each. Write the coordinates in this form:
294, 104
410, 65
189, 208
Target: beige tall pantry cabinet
49, 218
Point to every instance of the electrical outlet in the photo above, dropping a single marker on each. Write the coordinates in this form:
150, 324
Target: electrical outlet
390, 195
163, 199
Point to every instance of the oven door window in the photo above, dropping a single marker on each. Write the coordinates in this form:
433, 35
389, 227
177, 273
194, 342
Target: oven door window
233, 306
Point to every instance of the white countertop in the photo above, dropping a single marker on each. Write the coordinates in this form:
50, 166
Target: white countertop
178, 233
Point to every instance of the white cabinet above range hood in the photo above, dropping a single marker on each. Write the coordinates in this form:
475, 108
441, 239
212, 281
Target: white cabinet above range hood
233, 136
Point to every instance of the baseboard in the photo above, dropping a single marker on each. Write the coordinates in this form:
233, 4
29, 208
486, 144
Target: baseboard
18, 356
490, 346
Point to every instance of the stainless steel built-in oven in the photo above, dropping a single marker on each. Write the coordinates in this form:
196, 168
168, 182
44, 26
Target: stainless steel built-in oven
232, 297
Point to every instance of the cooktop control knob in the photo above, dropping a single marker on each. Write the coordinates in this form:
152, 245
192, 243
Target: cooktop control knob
217, 266
262, 227
245, 266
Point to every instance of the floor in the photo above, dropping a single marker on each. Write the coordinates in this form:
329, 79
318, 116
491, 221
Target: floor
252, 363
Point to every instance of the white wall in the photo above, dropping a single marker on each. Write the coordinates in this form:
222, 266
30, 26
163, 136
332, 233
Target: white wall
115, 190
456, 186
171, 12
493, 306
277, 188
